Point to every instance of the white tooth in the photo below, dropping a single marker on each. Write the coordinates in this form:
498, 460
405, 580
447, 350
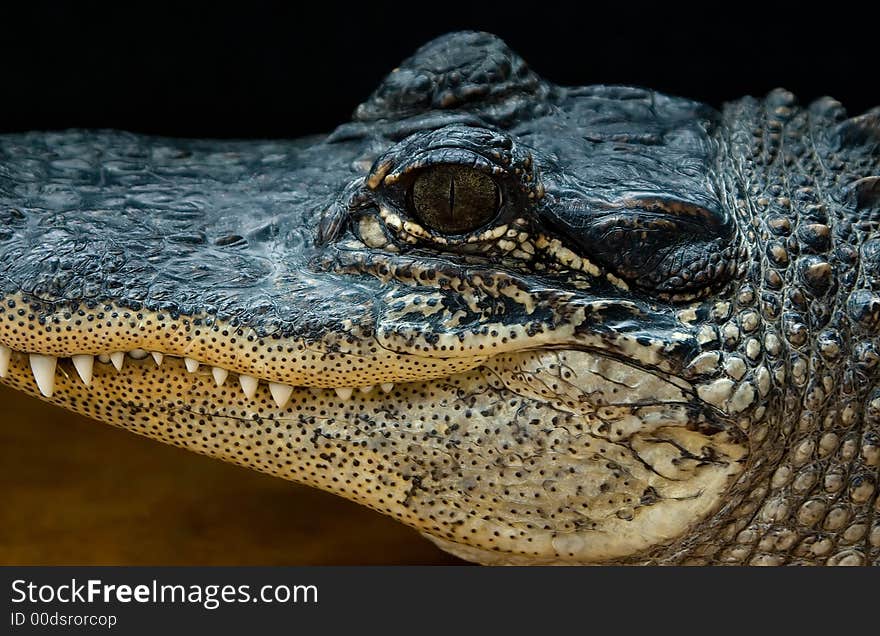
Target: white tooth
366, 389
5, 355
137, 354
104, 358
387, 387
84, 365
280, 393
249, 385
43, 368
118, 359
344, 392
191, 365
219, 375
157, 358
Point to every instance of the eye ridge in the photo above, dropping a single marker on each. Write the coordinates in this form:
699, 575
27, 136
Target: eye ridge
470, 200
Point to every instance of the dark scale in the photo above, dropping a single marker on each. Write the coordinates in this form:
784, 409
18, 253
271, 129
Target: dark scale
539, 324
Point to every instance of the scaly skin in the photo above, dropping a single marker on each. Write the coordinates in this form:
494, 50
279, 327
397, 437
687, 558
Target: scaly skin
660, 346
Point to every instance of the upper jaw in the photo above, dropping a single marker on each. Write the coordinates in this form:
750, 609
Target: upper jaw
279, 308
402, 337
222, 268
596, 332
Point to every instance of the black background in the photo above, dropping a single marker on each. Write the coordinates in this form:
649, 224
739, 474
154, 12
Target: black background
295, 68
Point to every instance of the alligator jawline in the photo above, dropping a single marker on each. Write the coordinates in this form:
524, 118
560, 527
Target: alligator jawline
579, 409
43, 369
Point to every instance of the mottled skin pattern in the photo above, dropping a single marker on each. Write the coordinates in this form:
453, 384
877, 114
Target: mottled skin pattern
661, 347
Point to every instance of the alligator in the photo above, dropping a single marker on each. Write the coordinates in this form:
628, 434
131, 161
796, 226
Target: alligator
538, 324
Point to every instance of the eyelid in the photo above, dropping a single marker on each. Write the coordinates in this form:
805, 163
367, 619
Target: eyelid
442, 156
490, 151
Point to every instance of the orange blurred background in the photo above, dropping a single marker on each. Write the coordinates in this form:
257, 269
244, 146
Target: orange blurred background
77, 492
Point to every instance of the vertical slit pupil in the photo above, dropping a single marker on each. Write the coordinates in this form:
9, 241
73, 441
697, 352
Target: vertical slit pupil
452, 195
453, 199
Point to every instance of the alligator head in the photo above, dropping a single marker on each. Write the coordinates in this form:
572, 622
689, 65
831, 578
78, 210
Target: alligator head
538, 324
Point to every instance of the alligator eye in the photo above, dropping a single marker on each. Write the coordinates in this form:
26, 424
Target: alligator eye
454, 199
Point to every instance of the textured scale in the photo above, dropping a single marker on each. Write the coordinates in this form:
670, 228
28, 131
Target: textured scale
661, 348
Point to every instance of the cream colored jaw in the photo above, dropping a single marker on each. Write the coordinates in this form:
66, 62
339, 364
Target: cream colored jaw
43, 369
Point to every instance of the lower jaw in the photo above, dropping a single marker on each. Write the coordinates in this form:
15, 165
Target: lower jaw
483, 470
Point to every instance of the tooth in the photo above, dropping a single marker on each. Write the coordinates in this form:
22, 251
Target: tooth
387, 387
191, 365
104, 358
344, 392
280, 393
249, 385
118, 359
219, 375
5, 355
157, 358
43, 368
137, 354
84, 365
366, 389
